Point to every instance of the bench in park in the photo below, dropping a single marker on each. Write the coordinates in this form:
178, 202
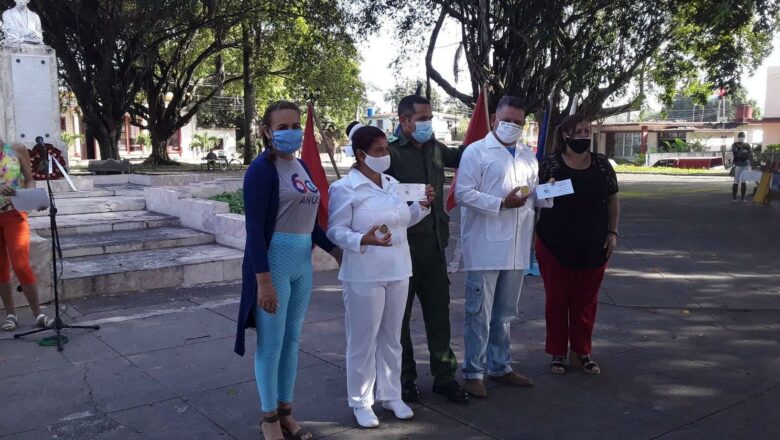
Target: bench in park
109, 166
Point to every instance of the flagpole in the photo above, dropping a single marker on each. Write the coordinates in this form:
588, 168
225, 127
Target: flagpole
325, 140
486, 87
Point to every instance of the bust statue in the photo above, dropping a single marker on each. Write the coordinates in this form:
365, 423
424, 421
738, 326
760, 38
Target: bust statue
21, 25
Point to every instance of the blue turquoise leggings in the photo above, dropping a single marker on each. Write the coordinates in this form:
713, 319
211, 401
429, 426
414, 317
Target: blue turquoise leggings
276, 358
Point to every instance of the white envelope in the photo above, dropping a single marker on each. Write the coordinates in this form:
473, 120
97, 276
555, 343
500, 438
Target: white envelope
412, 192
32, 199
557, 189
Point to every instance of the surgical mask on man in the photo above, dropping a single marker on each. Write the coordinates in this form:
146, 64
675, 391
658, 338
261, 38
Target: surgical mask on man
423, 131
508, 132
378, 164
288, 141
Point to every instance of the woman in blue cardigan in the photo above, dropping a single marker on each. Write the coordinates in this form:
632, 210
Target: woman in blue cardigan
281, 203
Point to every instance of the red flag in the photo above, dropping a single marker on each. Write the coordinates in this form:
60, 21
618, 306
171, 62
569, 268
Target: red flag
478, 129
310, 154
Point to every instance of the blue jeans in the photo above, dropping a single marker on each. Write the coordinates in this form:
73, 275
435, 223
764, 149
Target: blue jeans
491, 304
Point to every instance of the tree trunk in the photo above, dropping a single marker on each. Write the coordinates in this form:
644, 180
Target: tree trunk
159, 154
106, 137
89, 138
250, 114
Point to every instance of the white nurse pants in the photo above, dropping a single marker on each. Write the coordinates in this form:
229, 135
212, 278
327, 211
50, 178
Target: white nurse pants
374, 313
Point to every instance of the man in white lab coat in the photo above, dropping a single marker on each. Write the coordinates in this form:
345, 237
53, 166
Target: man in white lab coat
495, 188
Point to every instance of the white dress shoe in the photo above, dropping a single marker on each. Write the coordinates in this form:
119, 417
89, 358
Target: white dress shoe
399, 408
365, 417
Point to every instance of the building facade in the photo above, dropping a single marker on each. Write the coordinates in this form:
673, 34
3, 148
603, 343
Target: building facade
771, 121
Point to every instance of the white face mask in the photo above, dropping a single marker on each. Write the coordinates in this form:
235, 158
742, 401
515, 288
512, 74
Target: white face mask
508, 132
378, 164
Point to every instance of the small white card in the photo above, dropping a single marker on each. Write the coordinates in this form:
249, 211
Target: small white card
412, 192
557, 189
30, 199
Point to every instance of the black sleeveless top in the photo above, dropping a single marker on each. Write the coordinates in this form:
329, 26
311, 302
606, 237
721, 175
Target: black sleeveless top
575, 228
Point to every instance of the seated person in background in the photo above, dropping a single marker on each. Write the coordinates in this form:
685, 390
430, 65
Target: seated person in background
38, 157
212, 160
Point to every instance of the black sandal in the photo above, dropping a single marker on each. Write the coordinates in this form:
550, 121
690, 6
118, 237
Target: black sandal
558, 365
270, 420
302, 434
585, 363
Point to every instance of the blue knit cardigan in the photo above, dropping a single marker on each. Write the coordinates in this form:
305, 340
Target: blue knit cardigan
261, 205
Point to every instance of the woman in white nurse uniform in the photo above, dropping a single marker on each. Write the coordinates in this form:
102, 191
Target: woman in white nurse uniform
368, 218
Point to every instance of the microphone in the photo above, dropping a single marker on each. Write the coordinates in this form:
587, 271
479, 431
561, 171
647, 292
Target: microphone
44, 166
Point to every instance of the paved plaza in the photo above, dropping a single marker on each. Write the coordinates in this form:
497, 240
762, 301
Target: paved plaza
687, 336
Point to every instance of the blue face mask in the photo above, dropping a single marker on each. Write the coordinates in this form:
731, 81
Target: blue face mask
423, 131
288, 141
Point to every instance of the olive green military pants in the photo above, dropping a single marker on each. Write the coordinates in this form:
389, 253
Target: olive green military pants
430, 284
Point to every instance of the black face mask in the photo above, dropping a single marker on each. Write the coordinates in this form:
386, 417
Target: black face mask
579, 146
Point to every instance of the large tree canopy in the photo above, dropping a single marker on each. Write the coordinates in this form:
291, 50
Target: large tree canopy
293, 50
601, 55
179, 75
162, 60
98, 44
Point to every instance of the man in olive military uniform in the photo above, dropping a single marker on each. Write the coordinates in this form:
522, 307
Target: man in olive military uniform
419, 158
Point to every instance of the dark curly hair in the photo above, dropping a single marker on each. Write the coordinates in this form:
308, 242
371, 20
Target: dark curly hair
364, 137
567, 126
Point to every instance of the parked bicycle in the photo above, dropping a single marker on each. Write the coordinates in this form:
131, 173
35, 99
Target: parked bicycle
233, 164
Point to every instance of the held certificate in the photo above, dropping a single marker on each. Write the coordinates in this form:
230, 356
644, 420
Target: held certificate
412, 192
557, 189
30, 199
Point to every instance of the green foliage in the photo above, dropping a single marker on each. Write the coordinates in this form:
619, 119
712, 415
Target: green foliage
235, 200
101, 52
460, 131
697, 146
606, 54
202, 142
409, 87
71, 138
640, 159
681, 146
769, 155
144, 139
713, 43
301, 48
699, 105
676, 146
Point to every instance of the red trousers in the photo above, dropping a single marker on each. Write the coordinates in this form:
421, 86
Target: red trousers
570, 306
15, 247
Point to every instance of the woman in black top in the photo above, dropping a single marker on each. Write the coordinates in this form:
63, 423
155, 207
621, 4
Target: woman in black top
575, 239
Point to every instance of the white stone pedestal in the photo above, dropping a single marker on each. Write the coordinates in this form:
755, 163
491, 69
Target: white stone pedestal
29, 98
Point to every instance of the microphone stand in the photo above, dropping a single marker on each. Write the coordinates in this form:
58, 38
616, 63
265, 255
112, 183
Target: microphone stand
58, 325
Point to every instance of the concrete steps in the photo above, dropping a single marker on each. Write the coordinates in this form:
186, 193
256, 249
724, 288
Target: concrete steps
93, 205
103, 222
83, 194
150, 269
112, 245
83, 245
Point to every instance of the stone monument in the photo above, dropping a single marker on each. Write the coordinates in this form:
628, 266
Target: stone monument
29, 98
22, 25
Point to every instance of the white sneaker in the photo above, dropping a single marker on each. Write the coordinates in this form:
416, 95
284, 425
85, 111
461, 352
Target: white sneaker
365, 417
401, 410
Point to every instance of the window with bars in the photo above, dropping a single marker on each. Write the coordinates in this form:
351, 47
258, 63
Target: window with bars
627, 144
